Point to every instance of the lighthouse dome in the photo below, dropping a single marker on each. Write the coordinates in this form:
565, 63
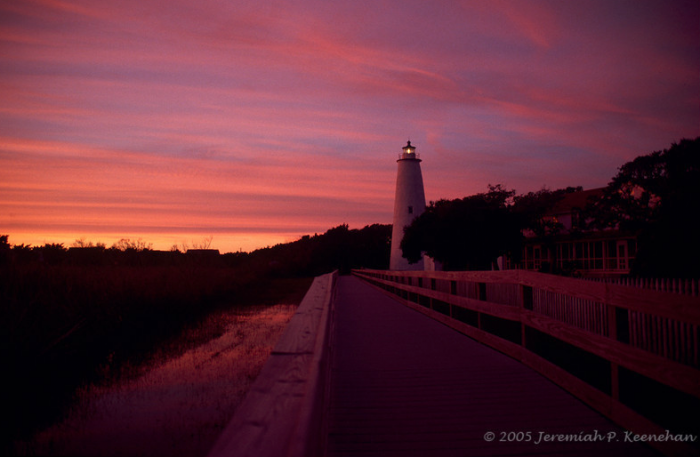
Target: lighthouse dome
409, 152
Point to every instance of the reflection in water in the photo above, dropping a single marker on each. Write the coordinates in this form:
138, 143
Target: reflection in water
177, 408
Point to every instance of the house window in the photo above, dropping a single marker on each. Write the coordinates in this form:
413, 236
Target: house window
564, 255
537, 251
597, 255
622, 255
410, 210
611, 255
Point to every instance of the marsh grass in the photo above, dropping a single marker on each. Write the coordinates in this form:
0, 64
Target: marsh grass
66, 326
178, 406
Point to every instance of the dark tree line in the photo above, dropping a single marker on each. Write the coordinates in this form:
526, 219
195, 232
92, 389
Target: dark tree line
339, 248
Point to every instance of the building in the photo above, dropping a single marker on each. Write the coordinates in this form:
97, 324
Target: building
574, 250
409, 203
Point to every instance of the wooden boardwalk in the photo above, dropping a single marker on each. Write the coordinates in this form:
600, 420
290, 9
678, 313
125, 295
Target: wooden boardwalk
406, 385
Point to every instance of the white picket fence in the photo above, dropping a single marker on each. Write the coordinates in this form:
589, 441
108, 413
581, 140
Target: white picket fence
677, 286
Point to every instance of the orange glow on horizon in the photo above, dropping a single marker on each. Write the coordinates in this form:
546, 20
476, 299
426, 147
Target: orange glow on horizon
225, 243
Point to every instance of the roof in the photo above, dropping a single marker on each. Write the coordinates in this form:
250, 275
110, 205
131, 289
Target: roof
575, 200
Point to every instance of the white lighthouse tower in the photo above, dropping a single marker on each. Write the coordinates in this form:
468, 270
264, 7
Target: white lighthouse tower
409, 203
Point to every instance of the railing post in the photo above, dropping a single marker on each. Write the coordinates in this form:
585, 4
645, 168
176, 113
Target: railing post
526, 293
612, 334
526, 304
622, 321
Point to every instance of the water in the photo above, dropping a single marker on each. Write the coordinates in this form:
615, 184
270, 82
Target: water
178, 407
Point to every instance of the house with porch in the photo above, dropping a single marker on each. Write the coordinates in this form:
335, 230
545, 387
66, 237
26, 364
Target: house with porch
575, 250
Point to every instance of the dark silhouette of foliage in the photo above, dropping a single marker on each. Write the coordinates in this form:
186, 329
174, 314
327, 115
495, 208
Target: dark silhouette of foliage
126, 244
656, 197
468, 233
533, 206
4, 249
52, 254
83, 243
340, 248
472, 232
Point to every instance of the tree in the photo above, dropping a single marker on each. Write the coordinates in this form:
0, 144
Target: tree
126, 244
184, 246
533, 207
4, 248
204, 244
82, 243
52, 253
656, 197
468, 233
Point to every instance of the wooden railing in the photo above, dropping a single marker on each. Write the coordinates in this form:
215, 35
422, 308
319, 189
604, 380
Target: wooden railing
282, 414
632, 354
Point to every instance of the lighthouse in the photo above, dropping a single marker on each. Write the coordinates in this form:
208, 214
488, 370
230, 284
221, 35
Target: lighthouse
409, 203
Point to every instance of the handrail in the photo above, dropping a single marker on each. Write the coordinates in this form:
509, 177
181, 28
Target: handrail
620, 331
282, 414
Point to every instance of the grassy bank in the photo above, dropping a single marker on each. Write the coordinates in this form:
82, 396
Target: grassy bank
176, 406
62, 326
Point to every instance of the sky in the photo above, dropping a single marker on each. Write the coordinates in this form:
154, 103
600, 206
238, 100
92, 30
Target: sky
253, 123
